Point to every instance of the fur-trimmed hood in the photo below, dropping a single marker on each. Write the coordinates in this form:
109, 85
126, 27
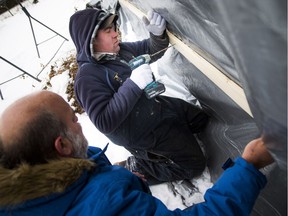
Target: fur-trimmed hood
30, 182
75, 187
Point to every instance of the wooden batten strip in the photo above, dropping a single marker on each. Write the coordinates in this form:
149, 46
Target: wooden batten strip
228, 86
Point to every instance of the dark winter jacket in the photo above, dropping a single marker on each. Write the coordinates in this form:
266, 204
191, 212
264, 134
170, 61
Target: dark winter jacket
119, 108
102, 88
94, 187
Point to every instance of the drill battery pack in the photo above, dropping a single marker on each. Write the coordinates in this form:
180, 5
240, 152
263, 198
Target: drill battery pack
153, 89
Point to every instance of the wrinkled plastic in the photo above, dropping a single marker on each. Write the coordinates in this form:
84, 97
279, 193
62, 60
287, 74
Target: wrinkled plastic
247, 41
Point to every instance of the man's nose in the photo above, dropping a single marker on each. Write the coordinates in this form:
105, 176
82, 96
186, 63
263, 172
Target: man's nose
115, 33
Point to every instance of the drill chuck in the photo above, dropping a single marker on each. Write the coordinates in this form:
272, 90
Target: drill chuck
136, 62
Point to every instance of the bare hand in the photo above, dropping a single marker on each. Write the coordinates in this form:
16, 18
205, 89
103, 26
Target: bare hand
256, 153
140, 176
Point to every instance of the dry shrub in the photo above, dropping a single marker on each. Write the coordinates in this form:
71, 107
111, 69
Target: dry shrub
69, 64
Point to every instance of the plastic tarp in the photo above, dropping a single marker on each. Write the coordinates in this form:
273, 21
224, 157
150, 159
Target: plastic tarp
247, 41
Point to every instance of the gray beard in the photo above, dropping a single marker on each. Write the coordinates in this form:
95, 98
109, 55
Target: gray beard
80, 144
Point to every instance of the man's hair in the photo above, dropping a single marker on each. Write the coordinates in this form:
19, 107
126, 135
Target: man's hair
35, 143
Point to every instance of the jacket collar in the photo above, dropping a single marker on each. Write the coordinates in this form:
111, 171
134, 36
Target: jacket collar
29, 182
105, 56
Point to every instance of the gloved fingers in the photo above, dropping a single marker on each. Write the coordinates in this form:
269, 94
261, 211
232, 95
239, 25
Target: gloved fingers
142, 76
150, 15
162, 24
142, 70
153, 19
158, 20
144, 67
145, 21
154, 23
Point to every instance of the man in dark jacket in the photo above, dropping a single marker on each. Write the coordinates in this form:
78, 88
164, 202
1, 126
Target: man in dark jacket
159, 132
45, 169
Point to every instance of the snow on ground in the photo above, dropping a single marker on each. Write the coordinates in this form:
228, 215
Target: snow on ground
18, 47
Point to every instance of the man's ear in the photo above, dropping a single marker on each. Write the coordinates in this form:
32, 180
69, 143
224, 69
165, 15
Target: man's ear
63, 146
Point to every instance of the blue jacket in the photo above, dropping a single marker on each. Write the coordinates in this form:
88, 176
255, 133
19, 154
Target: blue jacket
95, 187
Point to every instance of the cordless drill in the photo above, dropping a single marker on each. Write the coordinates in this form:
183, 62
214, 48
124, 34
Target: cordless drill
154, 88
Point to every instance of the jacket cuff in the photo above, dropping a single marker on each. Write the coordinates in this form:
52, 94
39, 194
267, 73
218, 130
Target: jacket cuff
162, 37
239, 161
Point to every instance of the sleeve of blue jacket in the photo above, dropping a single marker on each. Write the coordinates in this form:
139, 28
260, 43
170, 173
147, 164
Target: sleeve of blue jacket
234, 193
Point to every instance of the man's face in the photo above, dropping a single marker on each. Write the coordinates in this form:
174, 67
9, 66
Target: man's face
14, 118
107, 40
74, 130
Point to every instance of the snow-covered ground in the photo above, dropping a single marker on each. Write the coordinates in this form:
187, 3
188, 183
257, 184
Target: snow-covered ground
18, 47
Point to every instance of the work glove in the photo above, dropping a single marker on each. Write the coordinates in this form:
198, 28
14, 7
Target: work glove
154, 23
142, 76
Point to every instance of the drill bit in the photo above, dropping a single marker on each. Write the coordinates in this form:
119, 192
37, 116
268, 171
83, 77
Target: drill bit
161, 50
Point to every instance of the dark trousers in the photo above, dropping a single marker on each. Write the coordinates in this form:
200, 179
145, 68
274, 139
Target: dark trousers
171, 151
160, 134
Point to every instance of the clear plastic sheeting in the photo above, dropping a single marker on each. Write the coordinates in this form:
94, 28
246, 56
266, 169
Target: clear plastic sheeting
247, 41
257, 32
195, 23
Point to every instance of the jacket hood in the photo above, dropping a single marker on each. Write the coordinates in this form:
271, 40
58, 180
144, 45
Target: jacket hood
29, 182
83, 27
